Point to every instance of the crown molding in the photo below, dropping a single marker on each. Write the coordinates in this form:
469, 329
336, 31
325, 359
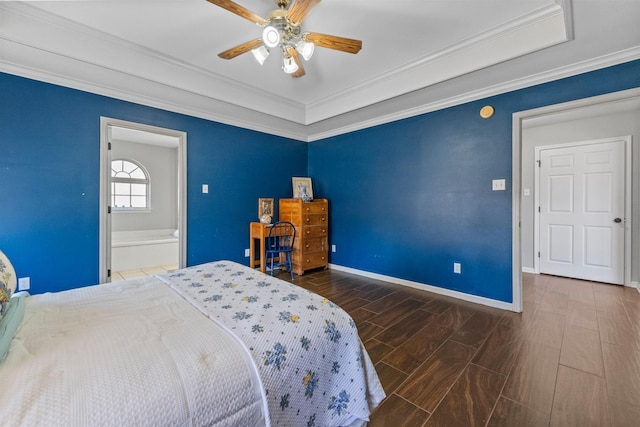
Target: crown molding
516, 84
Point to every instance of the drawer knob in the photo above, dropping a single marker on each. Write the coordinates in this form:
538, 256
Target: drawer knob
324, 231
308, 220
307, 246
323, 218
308, 261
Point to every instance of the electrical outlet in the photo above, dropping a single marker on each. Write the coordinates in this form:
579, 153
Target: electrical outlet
456, 267
333, 248
205, 188
24, 283
247, 253
499, 184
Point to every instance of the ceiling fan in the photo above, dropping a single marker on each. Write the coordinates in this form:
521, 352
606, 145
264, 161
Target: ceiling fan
281, 28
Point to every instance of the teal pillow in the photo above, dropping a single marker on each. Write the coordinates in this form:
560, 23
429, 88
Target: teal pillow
10, 321
7, 283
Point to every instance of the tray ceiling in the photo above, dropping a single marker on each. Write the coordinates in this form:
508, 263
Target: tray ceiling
417, 55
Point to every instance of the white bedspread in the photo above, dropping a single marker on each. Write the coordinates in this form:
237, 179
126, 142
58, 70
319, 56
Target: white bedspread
313, 366
126, 354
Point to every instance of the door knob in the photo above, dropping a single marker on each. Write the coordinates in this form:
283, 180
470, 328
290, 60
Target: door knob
617, 220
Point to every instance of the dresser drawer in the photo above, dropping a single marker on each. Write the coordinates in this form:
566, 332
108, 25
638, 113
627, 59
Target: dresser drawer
309, 261
311, 244
314, 219
315, 208
313, 231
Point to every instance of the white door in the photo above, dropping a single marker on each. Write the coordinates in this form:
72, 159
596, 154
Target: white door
582, 211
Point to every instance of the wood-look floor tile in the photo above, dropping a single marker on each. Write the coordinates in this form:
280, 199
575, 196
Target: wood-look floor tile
623, 414
582, 315
581, 350
470, 400
508, 413
609, 301
455, 317
431, 381
500, 349
386, 302
582, 292
559, 284
397, 412
555, 302
545, 328
616, 328
396, 313
580, 400
476, 329
622, 368
533, 377
413, 352
361, 314
377, 350
368, 330
390, 377
400, 331
438, 306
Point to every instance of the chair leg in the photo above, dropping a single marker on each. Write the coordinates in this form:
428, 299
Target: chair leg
290, 265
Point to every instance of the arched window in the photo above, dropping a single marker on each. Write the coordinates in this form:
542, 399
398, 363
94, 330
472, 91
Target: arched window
129, 185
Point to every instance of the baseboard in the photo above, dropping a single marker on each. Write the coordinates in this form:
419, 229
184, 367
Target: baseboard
529, 270
636, 285
424, 287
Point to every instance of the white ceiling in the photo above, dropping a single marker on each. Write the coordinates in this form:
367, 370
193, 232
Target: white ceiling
417, 55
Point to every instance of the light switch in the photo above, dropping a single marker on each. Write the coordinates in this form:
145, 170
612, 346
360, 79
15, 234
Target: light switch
499, 184
205, 188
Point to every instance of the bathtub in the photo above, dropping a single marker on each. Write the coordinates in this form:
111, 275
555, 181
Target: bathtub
132, 250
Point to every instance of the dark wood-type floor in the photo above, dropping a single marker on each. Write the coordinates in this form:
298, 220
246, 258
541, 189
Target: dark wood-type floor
572, 358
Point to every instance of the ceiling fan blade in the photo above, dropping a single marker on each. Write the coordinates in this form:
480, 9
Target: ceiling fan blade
334, 42
239, 10
240, 49
300, 72
301, 9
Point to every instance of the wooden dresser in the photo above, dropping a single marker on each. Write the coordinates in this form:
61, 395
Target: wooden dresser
311, 247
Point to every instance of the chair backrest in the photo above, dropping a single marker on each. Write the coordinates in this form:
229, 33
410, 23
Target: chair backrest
281, 237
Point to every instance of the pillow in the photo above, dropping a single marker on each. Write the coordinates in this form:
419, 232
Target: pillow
7, 283
10, 322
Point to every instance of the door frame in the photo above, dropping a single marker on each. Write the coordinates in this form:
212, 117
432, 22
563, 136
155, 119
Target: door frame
626, 191
516, 174
105, 190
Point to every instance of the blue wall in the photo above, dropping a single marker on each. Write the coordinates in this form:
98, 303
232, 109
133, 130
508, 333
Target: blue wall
49, 180
407, 199
410, 198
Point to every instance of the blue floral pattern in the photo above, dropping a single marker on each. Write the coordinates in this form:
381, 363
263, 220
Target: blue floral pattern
313, 366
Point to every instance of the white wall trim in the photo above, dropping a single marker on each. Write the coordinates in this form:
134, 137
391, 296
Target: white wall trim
429, 288
529, 270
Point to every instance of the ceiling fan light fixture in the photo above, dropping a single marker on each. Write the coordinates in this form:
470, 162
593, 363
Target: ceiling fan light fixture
305, 49
271, 36
289, 65
261, 54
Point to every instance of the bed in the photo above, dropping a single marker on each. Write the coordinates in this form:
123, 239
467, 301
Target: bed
217, 344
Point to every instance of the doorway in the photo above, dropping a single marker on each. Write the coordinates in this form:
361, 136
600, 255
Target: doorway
582, 192
142, 198
578, 116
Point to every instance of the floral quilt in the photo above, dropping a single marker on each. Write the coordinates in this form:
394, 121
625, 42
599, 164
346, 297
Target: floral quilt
313, 366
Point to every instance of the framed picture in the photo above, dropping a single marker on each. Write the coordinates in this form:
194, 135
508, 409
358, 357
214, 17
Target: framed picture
265, 207
302, 188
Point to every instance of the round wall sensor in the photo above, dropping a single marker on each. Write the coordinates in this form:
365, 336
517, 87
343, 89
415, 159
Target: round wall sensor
486, 111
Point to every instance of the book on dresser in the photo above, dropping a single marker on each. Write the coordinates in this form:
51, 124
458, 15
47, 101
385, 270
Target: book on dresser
311, 219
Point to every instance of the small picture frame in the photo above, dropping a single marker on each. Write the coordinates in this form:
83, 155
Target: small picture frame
265, 208
302, 188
